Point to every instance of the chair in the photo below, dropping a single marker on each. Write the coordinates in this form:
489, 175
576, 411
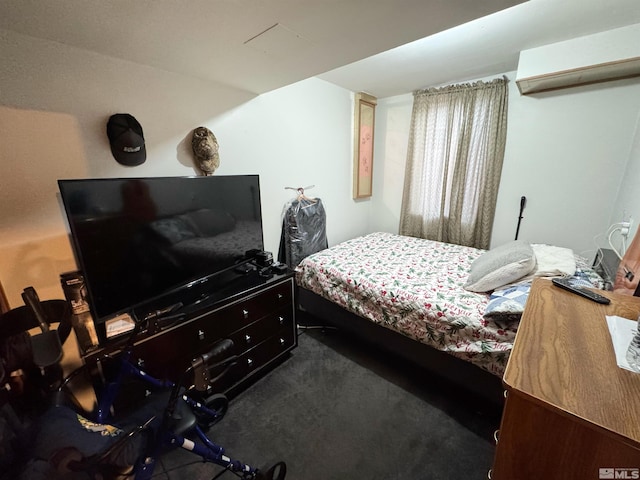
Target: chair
25, 384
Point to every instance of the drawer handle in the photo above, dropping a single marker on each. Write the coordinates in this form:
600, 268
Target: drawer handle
282, 341
280, 296
249, 362
496, 434
245, 313
281, 319
247, 338
201, 334
490, 474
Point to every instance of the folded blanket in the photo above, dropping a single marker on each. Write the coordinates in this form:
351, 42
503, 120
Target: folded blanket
553, 261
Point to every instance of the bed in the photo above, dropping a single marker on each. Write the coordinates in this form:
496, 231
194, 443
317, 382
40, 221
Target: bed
408, 295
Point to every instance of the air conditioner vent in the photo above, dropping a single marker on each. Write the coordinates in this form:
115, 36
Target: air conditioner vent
605, 56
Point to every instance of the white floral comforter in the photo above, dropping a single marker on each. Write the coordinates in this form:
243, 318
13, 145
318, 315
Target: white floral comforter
412, 286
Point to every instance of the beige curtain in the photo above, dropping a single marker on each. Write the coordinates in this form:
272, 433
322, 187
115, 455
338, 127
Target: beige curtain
454, 161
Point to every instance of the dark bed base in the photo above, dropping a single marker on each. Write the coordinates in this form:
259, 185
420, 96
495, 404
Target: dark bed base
456, 371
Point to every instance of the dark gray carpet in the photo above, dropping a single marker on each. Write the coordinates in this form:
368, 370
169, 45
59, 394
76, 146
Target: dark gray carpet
338, 410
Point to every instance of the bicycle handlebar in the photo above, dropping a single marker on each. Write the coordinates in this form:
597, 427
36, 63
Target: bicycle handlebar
202, 366
219, 348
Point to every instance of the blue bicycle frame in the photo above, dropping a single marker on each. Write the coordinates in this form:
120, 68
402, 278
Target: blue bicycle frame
165, 437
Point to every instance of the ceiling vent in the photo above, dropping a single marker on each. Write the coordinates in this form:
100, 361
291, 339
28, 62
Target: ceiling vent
605, 56
279, 41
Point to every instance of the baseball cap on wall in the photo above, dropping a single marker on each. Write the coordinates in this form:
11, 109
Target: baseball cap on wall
126, 139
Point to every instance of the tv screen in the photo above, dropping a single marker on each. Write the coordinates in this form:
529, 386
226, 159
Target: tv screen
137, 238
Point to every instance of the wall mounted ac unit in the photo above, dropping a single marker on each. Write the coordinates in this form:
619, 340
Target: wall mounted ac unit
605, 56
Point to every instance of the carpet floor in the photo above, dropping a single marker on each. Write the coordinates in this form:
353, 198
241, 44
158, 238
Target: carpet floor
339, 410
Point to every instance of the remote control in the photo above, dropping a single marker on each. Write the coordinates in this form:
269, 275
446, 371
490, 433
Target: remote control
582, 291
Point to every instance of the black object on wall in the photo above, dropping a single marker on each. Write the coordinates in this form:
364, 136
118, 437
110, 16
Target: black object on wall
523, 202
126, 139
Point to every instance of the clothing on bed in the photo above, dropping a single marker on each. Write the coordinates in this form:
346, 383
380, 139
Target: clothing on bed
551, 261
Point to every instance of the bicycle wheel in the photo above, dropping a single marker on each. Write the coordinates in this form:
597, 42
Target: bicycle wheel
277, 472
218, 404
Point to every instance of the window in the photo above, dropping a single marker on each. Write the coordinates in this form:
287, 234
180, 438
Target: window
454, 162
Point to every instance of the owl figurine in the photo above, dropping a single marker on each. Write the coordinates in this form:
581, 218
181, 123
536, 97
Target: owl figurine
205, 148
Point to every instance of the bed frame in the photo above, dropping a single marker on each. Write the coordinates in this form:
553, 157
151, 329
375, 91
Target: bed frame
454, 370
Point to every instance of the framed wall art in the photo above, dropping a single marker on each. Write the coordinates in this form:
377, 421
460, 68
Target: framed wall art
364, 122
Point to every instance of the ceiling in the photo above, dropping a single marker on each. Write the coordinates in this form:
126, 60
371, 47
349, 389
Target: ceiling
483, 47
383, 47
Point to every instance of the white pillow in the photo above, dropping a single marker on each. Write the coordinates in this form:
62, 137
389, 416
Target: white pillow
501, 266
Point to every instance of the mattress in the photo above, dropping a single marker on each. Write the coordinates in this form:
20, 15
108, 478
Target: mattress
415, 287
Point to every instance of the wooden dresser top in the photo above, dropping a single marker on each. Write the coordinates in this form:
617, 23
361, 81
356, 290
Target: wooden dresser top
563, 358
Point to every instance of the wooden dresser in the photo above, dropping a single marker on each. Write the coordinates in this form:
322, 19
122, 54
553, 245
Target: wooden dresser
570, 411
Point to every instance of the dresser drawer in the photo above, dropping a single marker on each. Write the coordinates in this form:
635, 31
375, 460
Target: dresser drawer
222, 323
247, 323
168, 354
258, 306
257, 358
271, 348
255, 333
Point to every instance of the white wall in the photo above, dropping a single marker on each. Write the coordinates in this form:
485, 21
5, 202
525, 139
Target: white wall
54, 104
627, 204
393, 119
567, 152
297, 136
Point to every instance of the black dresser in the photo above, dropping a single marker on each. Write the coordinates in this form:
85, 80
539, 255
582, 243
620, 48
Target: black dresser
257, 313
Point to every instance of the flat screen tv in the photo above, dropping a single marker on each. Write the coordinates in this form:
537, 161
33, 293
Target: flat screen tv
137, 239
